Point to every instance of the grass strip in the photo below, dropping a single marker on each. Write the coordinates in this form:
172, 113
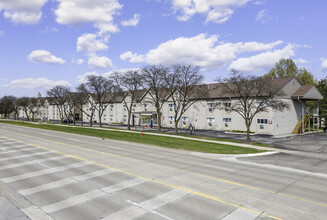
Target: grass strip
162, 141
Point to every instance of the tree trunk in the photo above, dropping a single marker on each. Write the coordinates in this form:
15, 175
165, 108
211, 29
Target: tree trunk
176, 127
158, 121
91, 121
248, 139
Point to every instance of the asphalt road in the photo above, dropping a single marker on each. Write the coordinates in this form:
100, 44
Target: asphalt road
53, 175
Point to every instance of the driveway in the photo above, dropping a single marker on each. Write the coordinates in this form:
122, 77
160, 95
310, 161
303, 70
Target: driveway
305, 152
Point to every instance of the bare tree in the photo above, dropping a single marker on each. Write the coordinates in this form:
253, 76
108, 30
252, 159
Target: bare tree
24, 102
72, 106
100, 89
252, 95
185, 81
129, 82
59, 94
33, 106
153, 79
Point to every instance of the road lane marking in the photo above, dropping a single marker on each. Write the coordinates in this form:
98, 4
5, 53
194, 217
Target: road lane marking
48, 186
15, 146
139, 209
75, 200
241, 214
14, 151
63, 182
72, 201
94, 174
25, 155
43, 172
9, 166
124, 185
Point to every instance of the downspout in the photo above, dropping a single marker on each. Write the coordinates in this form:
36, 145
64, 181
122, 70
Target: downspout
298, 98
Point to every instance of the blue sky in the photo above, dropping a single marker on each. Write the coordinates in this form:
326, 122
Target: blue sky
44, 43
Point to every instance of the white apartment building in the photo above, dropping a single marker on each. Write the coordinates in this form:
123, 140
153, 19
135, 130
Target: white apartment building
202, 114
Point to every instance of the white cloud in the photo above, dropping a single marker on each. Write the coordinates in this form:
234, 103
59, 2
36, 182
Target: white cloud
91, 43
217, 11
99, 12
301, 61
24, 12
324, 64
100, 62
1, 33
263, 16
262, 61
132, 57
132, 22
36, 83
259, 2
49, 30
43, 56
80, 61
202, 50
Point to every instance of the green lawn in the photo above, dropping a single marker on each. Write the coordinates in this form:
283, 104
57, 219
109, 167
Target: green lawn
169, 142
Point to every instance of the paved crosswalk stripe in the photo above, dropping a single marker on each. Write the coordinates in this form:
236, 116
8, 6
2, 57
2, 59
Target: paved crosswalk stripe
64, 182
25, 155
42, 172
124, 185
75, 200
94, 174
14, 147
52, 185
9, 166
14, 151
147, 206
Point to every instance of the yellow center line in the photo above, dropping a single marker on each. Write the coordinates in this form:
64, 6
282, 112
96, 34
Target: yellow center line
156, 181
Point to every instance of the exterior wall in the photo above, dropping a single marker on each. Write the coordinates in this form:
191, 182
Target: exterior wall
285, 122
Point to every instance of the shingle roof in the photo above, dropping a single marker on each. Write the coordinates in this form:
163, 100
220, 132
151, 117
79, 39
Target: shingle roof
302, 90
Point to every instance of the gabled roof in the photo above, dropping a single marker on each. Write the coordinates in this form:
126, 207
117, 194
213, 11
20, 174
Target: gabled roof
307, 92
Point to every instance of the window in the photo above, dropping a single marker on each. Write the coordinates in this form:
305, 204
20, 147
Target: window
125, 117
262, 103
184, 118
227, 120
210, 104
111, 117
262, 121
227, 105
124, 106
210, 119
171, 118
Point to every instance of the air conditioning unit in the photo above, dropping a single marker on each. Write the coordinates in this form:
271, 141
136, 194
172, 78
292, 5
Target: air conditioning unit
226, 125
170, 122
210, 124
210, 109
145, 109
184, 122
111, 109
262, 127
171, 109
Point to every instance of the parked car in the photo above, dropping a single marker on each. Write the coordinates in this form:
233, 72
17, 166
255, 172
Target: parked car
65, 121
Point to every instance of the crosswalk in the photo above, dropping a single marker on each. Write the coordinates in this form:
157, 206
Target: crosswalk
67, 188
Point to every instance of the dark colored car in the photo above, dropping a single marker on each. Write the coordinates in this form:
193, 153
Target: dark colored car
65, 121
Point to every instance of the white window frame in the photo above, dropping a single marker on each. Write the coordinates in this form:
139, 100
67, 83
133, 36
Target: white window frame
262, 121
227, 120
